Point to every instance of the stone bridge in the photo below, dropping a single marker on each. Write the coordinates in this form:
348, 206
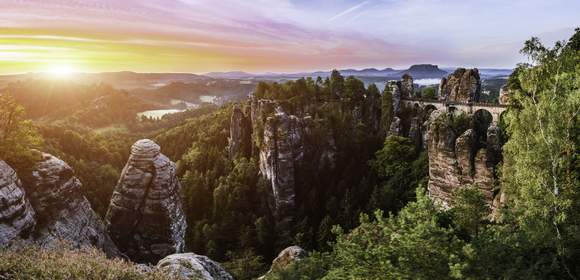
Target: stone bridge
494, 109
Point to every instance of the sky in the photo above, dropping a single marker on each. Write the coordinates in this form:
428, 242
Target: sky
199, 36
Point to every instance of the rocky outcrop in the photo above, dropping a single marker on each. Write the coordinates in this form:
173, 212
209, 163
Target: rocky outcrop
17, 218
285, 258
288, 256
240, 140
49, 208
407, 89
504, 97
192, 266
281, 149
145, 217
396, 93
396, 127
63, 213
462, 86
455, 161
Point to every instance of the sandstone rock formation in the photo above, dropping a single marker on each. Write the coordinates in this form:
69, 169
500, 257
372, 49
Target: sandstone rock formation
455, 161
406, 87
49, 208
145, 217
281, 149
63, 213
504, 97
288, 256
461, 86
396, 93
240, 140
17, 218
192, 266
285, 258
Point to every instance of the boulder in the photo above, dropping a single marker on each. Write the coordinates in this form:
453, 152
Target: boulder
17, 217
192, 266
288, 256
145, 217
285, 258
62, 211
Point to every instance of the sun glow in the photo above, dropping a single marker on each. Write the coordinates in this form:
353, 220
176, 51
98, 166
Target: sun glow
62, 72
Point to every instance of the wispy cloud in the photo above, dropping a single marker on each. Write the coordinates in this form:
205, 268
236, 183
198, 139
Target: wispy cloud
348, 11
282, 35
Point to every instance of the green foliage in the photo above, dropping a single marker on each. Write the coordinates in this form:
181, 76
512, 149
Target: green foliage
469, 209
411, 245
245, 266
315, 266
63, 263
400, 170
17, 136
429, 92
541, 156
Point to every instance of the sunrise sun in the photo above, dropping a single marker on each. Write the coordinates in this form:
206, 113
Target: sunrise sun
61, 71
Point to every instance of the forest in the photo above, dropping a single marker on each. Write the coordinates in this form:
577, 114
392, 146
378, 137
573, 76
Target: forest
364, 215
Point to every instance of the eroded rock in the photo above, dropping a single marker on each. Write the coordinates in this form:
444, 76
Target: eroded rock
461, 86
62, 212
455, 161
192, 266
285, 258
17, 217
282, 147
145, 217
240, 140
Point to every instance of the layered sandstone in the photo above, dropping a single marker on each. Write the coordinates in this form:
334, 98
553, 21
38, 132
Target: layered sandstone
145, 216
240, 140
461, 86
455, 160
17, 217
63, 213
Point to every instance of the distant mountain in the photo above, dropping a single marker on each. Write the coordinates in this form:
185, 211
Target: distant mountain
422, 71
233, 75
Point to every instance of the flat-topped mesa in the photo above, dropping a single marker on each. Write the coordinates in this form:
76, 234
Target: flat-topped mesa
62, 211
145, 217
462, 86
17, 218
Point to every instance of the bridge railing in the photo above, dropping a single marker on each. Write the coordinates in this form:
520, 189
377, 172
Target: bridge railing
451, 103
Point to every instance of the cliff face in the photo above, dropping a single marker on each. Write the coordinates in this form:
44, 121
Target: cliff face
145, 216
240, 140
281, 148
49, 207
463, 86
454, 160
16, 214
63, 213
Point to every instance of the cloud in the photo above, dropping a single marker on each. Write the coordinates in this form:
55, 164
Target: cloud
348, 11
